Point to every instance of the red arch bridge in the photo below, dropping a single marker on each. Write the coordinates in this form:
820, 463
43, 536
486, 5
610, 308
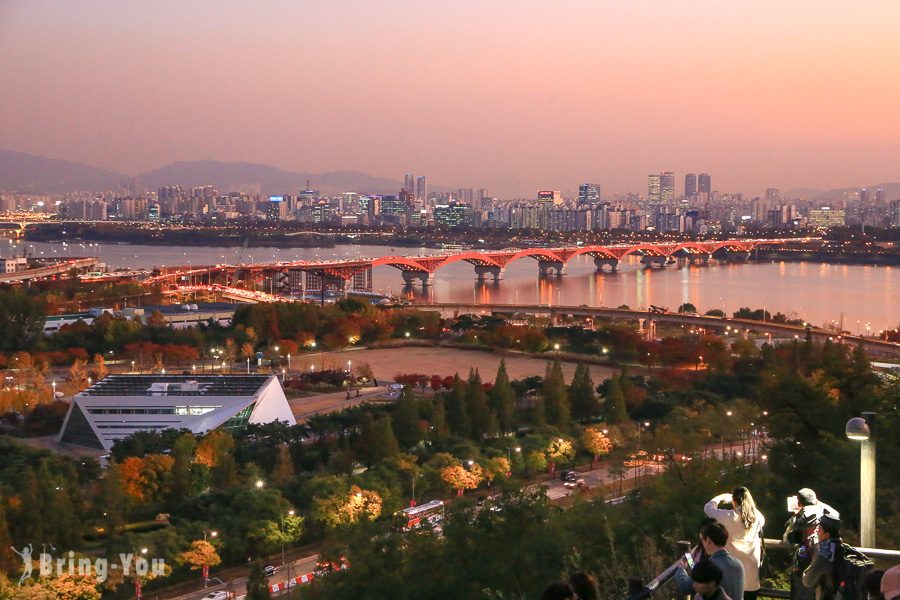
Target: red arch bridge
356, 274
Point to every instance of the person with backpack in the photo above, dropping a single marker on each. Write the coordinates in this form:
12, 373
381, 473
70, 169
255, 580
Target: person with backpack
801, 531
837, 569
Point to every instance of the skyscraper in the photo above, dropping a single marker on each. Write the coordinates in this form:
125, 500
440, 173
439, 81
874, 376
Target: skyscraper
690, 185
409, 182
421, 188
773, 196
879, 197
653, 183
667, 187
589, 193
704, 183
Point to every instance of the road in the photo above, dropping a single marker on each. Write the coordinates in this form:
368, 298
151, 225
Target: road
556, 491
238, 586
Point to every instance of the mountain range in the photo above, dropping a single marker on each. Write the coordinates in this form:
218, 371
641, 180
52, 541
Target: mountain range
30, 174
26, 173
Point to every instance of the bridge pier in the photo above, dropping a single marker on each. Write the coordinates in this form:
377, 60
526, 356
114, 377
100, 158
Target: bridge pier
654, 261
601, 262
423, 277
482, 271
698, 259
546, 267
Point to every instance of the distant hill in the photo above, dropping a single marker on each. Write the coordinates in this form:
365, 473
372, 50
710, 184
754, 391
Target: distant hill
27, 173
243, 176
891, 189
30, 174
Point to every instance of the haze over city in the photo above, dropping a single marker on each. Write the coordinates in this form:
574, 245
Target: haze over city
514, 97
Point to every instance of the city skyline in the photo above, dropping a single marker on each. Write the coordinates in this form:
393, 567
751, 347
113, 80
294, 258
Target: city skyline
788, 90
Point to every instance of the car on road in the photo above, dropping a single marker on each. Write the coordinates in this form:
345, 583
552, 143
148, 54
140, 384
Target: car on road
270, 570
220, 595
572, 479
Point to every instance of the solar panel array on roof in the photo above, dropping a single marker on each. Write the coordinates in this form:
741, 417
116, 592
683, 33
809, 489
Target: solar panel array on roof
178, 385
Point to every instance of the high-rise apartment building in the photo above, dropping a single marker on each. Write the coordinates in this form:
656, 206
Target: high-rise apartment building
690, 185
653, 185
704, 183
880, 197
667, 187
589, 193
421, 188
773, 196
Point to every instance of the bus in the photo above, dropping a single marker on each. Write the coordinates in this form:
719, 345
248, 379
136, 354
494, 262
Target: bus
416, 516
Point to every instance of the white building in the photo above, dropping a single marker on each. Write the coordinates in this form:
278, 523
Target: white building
119, 405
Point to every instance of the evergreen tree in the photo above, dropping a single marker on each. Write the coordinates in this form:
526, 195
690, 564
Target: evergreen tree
284, 466
584, 400
377, 440
503, 399
457, 415
556, 400
614, 407
257, 583
406, 419
182, 484
111, 499
439, 430
477, 405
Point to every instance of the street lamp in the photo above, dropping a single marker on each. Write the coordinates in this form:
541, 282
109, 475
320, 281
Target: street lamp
260, 483
861, 429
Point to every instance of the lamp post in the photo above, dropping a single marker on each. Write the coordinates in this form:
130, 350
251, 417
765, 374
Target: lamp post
862, 429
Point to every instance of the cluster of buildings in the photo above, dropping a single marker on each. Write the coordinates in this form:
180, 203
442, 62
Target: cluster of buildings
698, 208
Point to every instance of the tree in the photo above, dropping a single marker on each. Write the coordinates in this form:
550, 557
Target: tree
216, 450
377, 440
21, 318
439, 430
556, 400
405, 419
347, 506
477, 406
201, 553
595, 442
284, 466
687, 307
584, 400
461, 478
457, 414
182, 468
559, 451
503, 399
257, 583
614, 407
535, 462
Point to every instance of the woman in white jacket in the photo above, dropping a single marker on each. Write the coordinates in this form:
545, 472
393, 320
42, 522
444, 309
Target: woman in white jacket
744, 524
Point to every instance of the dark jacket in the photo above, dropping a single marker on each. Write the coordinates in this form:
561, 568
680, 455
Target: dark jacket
732, 575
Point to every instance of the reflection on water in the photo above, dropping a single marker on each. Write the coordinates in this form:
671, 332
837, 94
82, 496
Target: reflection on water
816, 292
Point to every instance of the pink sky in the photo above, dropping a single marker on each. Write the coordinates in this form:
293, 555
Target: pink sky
509, 95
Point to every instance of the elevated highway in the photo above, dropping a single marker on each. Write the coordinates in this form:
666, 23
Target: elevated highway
55, 269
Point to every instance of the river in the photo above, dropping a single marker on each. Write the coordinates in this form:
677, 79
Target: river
819, 293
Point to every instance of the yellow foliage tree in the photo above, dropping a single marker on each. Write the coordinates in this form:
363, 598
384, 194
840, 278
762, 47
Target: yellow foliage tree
199, 554
596, 442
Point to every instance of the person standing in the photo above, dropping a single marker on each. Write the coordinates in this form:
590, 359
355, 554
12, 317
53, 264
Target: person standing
801, 531
713, 538
744, 524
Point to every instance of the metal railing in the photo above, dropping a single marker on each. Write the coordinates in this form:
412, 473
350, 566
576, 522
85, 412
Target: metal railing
637, 590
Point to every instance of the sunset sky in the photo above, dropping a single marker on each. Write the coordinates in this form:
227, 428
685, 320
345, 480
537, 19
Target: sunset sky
509, 95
